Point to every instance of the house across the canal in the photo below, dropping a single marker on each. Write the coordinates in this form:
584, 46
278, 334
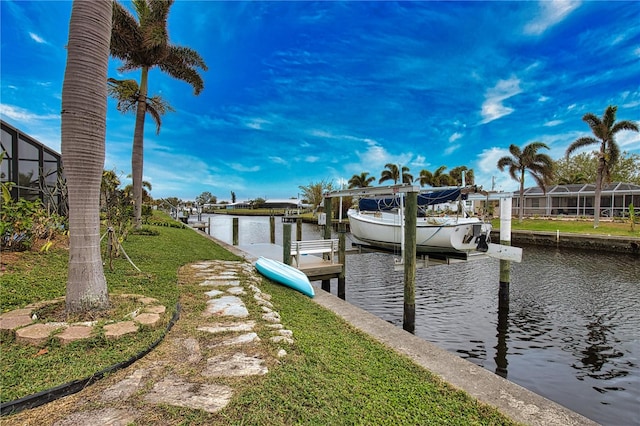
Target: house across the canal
577, 200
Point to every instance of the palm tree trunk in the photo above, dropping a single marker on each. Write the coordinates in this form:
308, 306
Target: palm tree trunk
137, 153
598, 190
521, 212
84, 109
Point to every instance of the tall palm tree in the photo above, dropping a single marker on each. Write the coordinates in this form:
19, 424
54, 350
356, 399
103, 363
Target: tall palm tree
392, 172
435, 179
455, 176
540, 166
144, 44
604, 129
362, 180
127, 93
84, 111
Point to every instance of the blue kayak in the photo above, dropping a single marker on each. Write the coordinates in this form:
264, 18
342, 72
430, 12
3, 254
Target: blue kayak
285, 274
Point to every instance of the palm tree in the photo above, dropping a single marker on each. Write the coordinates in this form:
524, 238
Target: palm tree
361, 181
435, 179
455, 176
144, 44
127, 93
540, 166
604, 129
84, 111
392, 172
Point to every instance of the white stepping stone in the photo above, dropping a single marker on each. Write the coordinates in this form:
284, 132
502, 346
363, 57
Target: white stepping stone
243, 339
223, 328
214, 293
235, 365
281, 339
271, 317
226, 306
220, 282
199, 396
236, 290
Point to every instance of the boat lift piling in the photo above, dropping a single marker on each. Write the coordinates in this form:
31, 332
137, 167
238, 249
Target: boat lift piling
505, 239
410, 220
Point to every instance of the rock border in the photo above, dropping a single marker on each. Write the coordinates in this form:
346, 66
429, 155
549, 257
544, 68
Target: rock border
49, 395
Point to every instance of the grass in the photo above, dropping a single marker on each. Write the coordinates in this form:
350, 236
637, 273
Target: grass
341, 376
333, 374
35, 277
573, 226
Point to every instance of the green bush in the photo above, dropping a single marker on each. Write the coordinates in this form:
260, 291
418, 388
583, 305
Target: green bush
24, 221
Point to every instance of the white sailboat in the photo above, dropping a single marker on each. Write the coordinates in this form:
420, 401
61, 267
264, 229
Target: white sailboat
433, 234
380, 222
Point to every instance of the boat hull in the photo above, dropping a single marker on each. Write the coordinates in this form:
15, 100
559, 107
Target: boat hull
285, 274
433, 234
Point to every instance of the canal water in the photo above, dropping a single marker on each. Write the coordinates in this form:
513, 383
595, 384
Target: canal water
571, 331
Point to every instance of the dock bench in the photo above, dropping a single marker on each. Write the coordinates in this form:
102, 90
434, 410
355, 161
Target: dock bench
328, 247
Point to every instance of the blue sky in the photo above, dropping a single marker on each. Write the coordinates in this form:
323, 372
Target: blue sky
299, 92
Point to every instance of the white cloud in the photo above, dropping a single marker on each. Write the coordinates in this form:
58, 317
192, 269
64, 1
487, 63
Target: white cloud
553, 123
493, 107
35, 37
242, 168
487, 173
455, 136
278, 160
419, 161
451, 149
550, 13
311, 159
20, 114
629, 140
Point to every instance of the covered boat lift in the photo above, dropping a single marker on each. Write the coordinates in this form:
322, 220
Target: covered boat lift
503, 251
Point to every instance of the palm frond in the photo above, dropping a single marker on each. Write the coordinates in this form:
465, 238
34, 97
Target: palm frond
579, 143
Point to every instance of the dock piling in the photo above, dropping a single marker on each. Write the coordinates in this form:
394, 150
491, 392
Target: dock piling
272, 229
410, 220
235, 231
299, 229
505, 239
342, 258
326, 284
286, 243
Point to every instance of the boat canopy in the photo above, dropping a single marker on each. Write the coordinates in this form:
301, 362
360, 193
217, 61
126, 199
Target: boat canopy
429, 198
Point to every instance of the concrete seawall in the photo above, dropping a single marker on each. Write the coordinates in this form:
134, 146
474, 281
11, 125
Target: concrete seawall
616, 244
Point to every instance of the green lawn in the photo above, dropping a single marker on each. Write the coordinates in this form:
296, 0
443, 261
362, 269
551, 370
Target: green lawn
334, 374
573, 226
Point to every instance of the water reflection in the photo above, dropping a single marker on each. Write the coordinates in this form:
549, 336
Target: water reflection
568, 330
503, 330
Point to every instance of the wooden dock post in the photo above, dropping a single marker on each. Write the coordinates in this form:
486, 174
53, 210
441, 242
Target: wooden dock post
235, 231
299, 229
410, 222
503, 290
272, 229
505, 239
342, 259
326, 284
286, 243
